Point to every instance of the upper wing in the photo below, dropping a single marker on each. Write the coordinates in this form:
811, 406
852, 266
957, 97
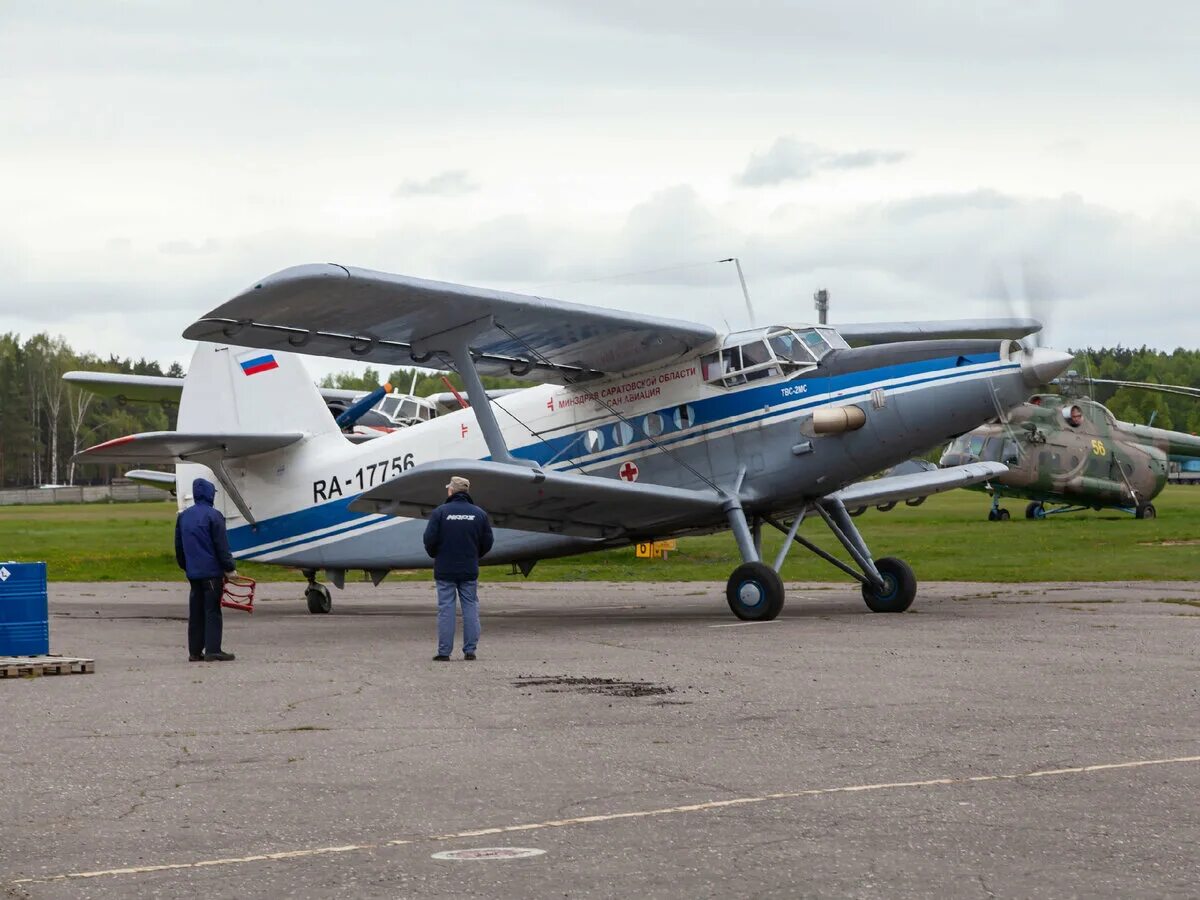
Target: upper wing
862, 333
545, 500
331, 310
891, 488
129, 388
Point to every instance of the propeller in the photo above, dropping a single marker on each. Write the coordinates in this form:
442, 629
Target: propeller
1027, 292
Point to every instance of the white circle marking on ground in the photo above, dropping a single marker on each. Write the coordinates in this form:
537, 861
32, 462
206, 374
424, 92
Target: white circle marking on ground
489, 853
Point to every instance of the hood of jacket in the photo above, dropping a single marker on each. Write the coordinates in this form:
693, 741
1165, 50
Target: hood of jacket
460, 497
204, 491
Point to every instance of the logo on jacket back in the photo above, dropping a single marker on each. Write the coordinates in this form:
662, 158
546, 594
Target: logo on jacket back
256, 361
460, 518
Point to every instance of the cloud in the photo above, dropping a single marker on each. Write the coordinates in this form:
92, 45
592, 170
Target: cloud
451, 183
791, 160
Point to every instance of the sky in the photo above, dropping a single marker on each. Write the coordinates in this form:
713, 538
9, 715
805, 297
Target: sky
918, 160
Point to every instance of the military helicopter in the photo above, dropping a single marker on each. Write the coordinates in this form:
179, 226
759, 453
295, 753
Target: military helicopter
1066, 453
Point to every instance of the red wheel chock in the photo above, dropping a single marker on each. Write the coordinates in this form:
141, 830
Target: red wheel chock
238, 593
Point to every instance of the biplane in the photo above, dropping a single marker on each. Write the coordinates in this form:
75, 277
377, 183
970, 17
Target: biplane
638, 427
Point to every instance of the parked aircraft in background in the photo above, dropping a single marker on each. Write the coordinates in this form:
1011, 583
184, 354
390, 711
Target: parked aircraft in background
1070, 453
644, 427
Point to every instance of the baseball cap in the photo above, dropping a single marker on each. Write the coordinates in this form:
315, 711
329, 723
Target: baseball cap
458, 483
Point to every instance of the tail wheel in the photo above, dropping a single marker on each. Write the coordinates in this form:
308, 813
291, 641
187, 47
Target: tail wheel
899, 590
1145, 511
1035, 510
319, 601
755, 592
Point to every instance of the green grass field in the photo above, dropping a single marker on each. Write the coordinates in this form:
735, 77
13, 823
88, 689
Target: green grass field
947, 538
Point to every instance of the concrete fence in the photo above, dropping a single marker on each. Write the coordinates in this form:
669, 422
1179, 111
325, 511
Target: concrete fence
83, 494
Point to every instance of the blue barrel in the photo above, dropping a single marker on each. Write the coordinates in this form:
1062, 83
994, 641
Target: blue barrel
24, 611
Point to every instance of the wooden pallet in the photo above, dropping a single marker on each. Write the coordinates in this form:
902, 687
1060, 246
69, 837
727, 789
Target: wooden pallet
19, 666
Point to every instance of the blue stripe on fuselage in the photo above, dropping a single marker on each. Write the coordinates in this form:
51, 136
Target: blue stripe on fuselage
721, 412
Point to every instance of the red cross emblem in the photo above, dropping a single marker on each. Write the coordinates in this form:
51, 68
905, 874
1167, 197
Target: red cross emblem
464, 430
629, 471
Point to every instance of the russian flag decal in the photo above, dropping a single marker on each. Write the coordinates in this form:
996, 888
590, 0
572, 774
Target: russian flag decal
253, 363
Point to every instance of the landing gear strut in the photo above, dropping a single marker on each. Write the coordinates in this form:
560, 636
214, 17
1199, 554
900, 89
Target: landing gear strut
755, 590
997, 513
316, 594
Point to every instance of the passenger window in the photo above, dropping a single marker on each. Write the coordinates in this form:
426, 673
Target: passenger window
684, 416
654, 424
622, 434
594, 441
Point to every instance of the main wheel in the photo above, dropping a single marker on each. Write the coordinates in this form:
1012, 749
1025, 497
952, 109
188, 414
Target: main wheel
755, 592
1003, 515
899, 590
1035, 510
1145, 511
319, 601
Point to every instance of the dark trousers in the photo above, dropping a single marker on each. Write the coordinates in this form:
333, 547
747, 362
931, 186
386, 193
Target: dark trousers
204, 616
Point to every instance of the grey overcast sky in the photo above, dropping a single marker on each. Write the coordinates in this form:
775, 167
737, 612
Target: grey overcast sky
919, 160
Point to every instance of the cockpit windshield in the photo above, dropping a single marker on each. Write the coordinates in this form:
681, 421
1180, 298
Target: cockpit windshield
769, 352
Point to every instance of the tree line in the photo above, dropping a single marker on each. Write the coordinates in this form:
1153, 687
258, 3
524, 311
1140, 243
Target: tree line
44, 421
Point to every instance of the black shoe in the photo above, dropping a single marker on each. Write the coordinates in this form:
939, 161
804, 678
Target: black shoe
441, 657
195, 657
468, 656
219, 657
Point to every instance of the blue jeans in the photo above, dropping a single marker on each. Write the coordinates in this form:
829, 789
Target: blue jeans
467, 595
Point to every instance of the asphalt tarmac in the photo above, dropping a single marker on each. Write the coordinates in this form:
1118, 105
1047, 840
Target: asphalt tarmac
995, 741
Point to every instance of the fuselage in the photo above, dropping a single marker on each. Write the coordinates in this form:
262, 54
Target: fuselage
681, 425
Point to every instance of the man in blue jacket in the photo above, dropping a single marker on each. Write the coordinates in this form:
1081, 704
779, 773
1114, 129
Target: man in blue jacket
202, 551
458, 534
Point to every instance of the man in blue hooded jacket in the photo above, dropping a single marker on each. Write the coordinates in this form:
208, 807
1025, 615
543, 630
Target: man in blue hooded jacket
202, 551
458, 534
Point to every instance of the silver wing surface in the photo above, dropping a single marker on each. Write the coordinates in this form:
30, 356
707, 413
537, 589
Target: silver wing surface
548, 501
180, 446
164, 481
863, 333
128, 388
349, 313
892, 488
161, 388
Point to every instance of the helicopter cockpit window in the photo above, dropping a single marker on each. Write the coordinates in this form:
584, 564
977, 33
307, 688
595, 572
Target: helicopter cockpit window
389, 406
1011, 454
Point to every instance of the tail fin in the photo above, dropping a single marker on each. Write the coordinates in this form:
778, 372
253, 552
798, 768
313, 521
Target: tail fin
231, 389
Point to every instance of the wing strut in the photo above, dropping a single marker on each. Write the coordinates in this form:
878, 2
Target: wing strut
455, 342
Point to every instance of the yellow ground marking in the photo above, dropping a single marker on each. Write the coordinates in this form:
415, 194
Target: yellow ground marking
615, 817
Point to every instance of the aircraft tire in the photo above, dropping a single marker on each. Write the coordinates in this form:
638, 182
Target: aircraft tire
1145, 511
901, 590
1035, 510
755, 592
992, 515
319, 601
1003, 515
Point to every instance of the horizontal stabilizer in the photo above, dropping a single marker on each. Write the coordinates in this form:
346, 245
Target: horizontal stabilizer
863, 333
179, 446
893, 488
548, 501
164, 481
